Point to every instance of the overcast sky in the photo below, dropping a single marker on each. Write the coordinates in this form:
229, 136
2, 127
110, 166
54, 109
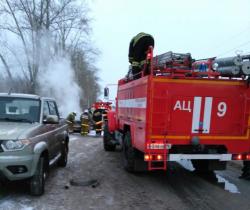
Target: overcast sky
205, 28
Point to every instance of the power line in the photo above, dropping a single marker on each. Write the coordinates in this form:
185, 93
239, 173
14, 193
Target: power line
231, 38
245, 43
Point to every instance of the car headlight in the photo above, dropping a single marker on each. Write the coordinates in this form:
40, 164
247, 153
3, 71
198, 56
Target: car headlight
14, 145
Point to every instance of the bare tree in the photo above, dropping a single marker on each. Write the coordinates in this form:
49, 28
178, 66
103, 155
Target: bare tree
6, 66
86, 75
31, 21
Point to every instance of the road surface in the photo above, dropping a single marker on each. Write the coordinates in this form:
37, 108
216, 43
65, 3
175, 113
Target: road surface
176, 189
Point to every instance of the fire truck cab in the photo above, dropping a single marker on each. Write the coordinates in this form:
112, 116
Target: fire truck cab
178, 112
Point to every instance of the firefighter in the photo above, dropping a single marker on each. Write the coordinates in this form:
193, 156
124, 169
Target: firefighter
104, 115
71, 120
138, 52
97, 118
91, 121
245, 170
85, 123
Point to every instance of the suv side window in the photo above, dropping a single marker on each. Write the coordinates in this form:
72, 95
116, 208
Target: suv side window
53, 108
45, 109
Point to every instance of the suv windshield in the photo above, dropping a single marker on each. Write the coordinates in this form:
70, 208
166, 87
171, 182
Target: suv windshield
19, 109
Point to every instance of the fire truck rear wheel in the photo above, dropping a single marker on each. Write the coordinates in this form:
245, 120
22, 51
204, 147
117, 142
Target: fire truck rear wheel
201, 166
129, 153
108, 146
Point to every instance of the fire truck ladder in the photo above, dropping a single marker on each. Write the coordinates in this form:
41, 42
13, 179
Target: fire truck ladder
173, 60
153, 162
156, 163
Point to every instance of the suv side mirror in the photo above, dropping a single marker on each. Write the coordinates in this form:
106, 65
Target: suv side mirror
51, 119
106, 92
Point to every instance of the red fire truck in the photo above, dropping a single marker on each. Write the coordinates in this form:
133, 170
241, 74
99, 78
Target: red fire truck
176, 112
102, 105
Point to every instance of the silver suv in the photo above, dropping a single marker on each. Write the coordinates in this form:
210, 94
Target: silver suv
32, 137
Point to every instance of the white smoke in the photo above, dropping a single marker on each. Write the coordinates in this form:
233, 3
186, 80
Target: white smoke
58, 81
56, 78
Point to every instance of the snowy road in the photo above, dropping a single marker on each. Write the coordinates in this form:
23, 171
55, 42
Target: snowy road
178, 188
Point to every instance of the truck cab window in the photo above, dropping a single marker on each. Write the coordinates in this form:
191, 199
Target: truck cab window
53, 108
45, 109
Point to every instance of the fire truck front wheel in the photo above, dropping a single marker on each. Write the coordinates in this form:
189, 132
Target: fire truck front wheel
108, 140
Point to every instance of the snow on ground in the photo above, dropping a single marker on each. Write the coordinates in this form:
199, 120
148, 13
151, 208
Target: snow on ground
73, 138
228, 186
187, 164
9, 204
178, 189
76, 136
92, 133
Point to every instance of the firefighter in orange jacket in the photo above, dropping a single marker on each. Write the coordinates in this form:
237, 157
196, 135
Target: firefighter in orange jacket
138, 52
97, 118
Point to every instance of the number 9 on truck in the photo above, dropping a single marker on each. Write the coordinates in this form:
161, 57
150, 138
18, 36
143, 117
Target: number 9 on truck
222, 109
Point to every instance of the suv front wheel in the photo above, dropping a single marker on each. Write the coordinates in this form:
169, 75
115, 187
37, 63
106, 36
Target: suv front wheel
37, 182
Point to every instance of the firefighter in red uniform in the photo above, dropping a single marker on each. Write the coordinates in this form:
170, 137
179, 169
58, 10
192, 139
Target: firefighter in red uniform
138, 52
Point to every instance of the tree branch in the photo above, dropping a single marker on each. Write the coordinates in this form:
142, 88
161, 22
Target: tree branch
7, 69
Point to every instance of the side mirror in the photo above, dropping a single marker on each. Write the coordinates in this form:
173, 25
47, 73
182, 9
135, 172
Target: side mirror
51, 119
106, 92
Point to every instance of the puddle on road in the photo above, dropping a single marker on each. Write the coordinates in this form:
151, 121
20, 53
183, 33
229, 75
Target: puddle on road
228, 186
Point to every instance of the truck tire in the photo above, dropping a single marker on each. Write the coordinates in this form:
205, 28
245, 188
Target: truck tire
62, 162
201, 166
206, 166
107, 137
129, 153
37, 182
